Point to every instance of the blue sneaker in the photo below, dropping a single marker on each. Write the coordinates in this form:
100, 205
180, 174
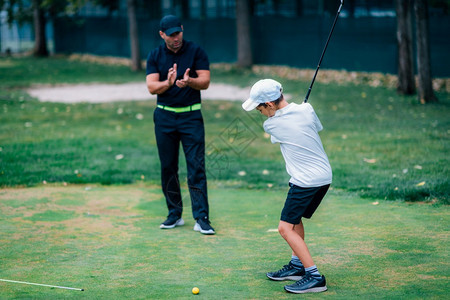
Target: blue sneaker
308, 284
288, 272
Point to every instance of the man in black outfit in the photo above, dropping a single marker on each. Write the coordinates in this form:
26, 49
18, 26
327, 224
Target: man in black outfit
176, 71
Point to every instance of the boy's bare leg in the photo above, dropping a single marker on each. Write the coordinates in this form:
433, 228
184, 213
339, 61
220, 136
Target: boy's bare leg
300, 231
294, 236
294, 270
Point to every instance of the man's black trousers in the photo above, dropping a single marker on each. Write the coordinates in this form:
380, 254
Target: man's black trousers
188, 128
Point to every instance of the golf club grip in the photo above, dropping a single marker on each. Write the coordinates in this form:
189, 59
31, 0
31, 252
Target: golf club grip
323, 52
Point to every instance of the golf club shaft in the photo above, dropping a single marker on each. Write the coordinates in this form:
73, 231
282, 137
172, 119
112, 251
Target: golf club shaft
40, 284
323, 52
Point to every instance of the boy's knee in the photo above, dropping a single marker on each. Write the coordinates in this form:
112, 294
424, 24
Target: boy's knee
284, 228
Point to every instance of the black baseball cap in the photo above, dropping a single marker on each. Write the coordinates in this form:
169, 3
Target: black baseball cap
170, 24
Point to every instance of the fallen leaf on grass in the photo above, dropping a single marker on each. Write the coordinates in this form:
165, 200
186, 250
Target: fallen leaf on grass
421, 183
370, 160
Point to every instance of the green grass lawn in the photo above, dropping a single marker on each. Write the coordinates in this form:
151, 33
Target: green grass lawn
80, 202
380, 145
107, 240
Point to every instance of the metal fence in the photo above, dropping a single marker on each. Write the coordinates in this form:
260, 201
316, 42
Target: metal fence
358, 44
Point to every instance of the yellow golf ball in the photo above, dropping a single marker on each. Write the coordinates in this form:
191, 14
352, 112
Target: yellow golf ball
195, 291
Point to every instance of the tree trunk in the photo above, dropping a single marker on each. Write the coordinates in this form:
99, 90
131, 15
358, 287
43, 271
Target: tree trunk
276, 6
299, 8
425, 89
134, 36
320, 7
185, 11
203, 9
406, 83
244, 46
351, 5
40, 40
154, 9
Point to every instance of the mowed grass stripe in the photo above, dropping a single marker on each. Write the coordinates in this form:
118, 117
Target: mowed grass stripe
112, 245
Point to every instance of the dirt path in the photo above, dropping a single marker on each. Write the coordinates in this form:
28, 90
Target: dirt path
99, 93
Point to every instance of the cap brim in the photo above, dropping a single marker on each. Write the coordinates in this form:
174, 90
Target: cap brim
249, 104
173, 30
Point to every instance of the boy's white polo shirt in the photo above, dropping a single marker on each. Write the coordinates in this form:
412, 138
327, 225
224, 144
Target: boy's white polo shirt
296, 127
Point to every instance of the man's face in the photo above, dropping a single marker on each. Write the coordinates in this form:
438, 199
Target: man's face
173, 41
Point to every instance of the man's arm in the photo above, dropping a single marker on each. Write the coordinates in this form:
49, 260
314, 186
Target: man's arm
155, 86
199, 83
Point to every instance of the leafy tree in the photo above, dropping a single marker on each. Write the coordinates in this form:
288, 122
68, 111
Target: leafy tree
38, 12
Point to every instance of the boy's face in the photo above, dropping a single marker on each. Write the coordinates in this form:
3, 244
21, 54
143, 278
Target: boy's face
268, 110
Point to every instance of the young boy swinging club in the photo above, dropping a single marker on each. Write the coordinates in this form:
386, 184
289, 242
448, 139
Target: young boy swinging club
295, 127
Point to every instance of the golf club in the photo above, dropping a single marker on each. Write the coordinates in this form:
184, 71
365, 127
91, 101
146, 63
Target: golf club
40, 284
323, 52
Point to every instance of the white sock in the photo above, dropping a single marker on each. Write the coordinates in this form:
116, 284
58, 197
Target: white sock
313, 271
296, 261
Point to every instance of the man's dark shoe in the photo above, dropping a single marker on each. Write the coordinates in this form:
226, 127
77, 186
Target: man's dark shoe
203, 225
308, 284
288, 272
171, 222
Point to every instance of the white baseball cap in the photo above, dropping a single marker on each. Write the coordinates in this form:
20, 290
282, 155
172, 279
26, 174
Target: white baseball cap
265, 90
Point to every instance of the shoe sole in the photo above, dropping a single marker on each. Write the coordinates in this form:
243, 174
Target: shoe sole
199, 229
179, 222
311, 290
295, 278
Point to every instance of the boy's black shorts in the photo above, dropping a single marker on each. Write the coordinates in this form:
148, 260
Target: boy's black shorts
302, 202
